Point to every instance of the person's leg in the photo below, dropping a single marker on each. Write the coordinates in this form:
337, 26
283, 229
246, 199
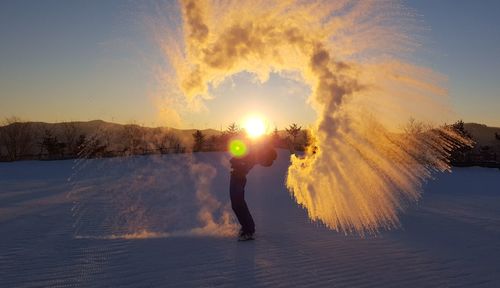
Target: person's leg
240, 208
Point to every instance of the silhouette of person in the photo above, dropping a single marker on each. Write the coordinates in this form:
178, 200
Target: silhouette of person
260, 154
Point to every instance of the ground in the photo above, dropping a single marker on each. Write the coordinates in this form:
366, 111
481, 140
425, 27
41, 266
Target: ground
132, 222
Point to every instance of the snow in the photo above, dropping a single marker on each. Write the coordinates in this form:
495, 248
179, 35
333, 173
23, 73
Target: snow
161, 221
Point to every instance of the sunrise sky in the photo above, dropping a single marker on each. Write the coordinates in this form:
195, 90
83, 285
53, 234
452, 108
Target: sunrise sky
85, 60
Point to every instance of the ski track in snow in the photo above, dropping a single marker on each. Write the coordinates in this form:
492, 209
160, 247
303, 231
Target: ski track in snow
450, 239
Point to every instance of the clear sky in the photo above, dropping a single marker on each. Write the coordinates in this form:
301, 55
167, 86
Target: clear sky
84, 60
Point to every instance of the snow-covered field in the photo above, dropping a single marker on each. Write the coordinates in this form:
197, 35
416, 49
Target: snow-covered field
161, 221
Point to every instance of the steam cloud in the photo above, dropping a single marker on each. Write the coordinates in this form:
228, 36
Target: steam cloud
358, 174
204, 174
149, 197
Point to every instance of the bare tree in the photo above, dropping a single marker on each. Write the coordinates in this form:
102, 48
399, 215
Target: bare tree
156, 140
213, 143
133, 139
151, 139
414, 127
1, 146
174, 143
70, 136
166, 142
80, 145
94, 147
38, 132
15, 138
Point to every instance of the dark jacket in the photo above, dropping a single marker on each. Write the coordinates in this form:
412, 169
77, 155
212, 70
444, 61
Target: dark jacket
241, 166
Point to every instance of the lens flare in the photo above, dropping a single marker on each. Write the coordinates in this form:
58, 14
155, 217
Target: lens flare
238, 148
255, 127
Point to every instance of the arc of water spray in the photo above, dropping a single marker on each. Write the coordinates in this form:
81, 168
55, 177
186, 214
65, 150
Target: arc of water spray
361, 174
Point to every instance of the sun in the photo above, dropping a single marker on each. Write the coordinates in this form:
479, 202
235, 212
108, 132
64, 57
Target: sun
255, 126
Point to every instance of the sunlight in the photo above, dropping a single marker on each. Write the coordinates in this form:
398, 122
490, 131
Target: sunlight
255, 126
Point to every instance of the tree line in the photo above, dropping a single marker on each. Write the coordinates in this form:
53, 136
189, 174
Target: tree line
29, 141
476, 154
294, 138
21, 140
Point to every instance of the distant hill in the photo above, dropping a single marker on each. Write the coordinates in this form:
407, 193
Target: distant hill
484, 135
95, 126
120, 138
117, 138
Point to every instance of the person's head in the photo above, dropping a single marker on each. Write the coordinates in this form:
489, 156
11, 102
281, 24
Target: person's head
266, 156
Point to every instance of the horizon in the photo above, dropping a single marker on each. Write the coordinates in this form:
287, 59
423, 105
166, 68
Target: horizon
220, 129
80, 61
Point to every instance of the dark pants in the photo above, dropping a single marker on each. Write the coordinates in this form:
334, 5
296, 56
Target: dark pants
240, 208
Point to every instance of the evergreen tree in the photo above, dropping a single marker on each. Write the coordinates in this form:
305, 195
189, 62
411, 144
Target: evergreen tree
51, 144
199, 141
293, 130
462, 152
275, 138
459, 127
233, 130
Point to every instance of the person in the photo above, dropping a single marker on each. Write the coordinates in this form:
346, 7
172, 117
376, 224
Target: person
240, 166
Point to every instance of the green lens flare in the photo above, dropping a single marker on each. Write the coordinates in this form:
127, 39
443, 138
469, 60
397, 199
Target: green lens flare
237, 148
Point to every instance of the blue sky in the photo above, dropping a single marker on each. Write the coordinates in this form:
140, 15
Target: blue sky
83, 60
464, 43
73, 60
